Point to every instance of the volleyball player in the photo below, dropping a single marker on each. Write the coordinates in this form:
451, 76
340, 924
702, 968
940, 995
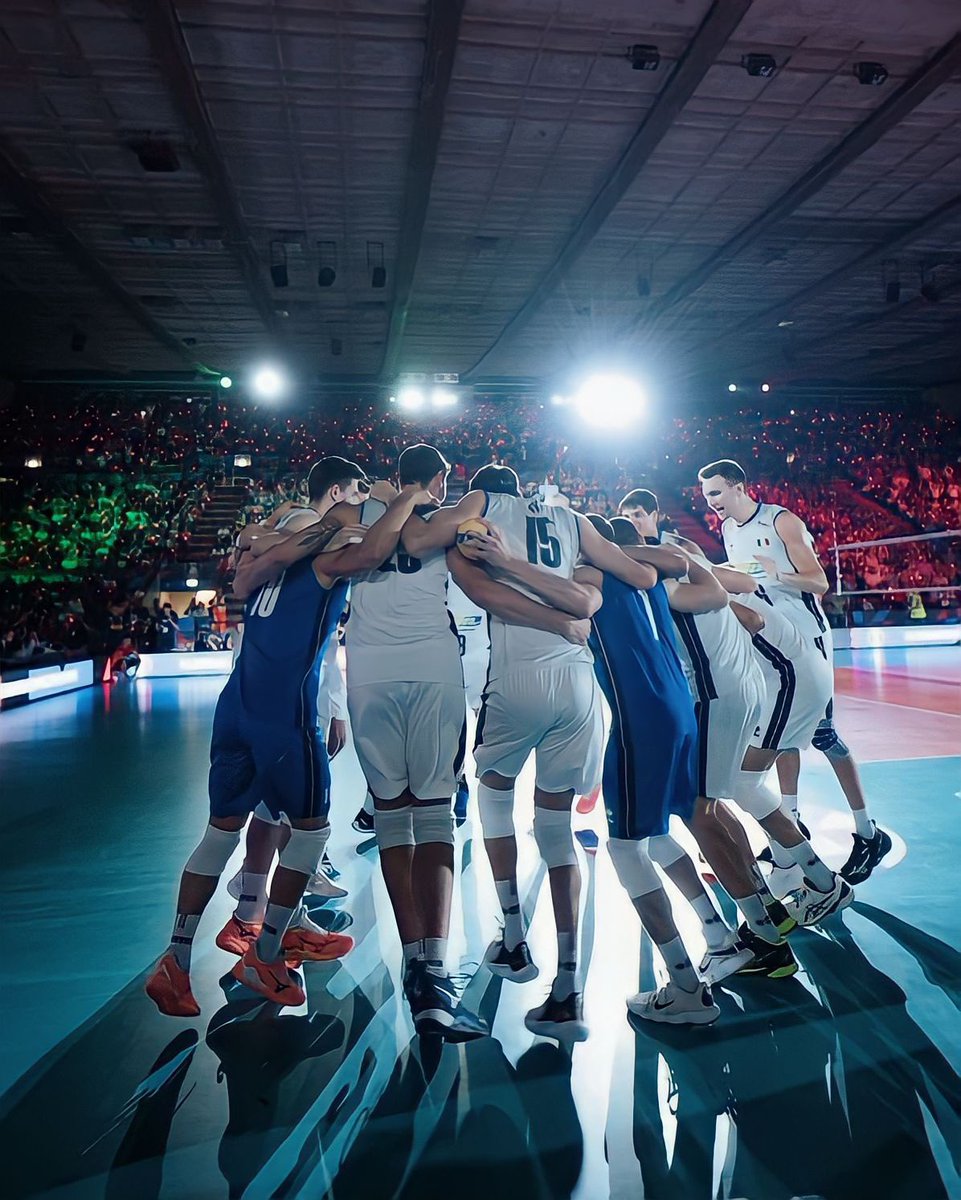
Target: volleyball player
265, 734
405, 695
792, 581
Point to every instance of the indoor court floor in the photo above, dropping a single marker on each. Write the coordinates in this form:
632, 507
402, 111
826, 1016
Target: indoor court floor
843, 1082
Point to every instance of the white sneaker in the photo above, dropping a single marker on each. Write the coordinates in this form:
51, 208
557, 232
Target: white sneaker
320, 885
719, 964
808, 906
671, 1005
784, 880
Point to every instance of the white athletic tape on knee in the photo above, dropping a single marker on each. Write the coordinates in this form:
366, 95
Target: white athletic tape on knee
663, 849
433, 823
263, 813
214, 851
394, 827
304, 850
634, 868
496, 811
755, 795
554, 836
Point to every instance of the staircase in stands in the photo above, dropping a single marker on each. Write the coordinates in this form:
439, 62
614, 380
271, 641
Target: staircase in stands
225, 502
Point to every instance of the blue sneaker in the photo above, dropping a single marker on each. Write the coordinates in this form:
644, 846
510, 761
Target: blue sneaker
587, 839
460, 802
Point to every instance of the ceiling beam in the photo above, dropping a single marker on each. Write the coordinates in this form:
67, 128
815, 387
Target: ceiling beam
927, 79
162, 26
32, 201
722, 19
443, 31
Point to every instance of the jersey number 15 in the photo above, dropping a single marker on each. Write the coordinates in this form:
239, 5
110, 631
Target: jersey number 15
542, 545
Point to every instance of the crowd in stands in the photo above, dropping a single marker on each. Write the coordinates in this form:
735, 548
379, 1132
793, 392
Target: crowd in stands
123, 483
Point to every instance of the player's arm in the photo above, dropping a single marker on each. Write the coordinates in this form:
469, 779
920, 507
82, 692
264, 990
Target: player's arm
566, 594
668, 561
379, 542
505, 602
259, 537
607, 557
420, 536
738, 583
253, 571
702, 594
808, 574
752, 621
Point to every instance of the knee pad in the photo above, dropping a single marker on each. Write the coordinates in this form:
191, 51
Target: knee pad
826, 740
755, 795
263, 813
663, 849
496, 811
433, 823
394, 827
554, 836
634, 867
214, 851
304, 850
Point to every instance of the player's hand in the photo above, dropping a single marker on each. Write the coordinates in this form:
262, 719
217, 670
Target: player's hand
383, 491
345, 535
577, 631
768, 565
491, 549
421, 496
336, 736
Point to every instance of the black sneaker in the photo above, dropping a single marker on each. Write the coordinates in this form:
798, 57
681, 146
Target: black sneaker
436, 1007
865, 856
363, 822
776, 962
781, 919
328, 867
561, 1019
516, 965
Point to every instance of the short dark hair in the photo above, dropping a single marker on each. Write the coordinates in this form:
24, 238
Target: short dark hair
602, 525
727, 468
624, 532
640, 498
420, 463
495, 477
331, 472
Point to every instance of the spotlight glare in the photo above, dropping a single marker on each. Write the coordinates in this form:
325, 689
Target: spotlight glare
226, 381
268, 382
33, 461
765, 387
411, 399
732, 387
557, 399
192, 579
610, 401
443, 398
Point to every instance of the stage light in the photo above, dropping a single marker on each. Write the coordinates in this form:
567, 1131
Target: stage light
871, 74
33, 461
226, 382
192, 580
442, 398
760, 65
558, 399
644, 58
268, 382
609, 401
411, 399
242, 460
765, 387
732, 387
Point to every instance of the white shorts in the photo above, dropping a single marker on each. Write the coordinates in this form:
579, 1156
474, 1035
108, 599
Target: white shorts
554, 712
409, 736
797, 692
725, 728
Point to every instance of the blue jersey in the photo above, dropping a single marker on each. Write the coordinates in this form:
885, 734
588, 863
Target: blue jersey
287, 625
633, 633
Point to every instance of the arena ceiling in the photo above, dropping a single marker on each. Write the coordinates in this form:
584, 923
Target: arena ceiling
535, 202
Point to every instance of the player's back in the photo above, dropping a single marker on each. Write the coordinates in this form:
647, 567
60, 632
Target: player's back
400, 628
633, 642
547, 537
716, 648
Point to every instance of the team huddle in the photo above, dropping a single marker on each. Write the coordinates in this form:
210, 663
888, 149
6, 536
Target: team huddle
711, 675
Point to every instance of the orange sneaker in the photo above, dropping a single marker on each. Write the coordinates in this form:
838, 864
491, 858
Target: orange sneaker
169, 988
312, 945
271, 980
585, 804
237, 936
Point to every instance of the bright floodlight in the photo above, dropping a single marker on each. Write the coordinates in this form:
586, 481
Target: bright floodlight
226, 381
443, 398
765, 387
33, 461
242, 460
732, 387
268, 382
410, 398
557, 398
610, 401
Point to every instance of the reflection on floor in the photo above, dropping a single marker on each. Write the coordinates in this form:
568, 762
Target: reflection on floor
842, 1082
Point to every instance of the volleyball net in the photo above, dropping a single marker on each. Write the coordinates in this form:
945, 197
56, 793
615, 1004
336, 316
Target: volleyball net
892, 580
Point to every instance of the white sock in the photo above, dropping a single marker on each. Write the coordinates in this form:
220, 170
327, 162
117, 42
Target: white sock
863, 823
679, 965
760, 884
758, 921
276, 923
565, 982
435, 955
782, 856
369, 804
182, 938
412, 951
820, 875
789, 805
716, 932
253, 898
511, 908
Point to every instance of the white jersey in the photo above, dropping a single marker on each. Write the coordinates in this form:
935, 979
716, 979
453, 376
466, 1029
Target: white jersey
548, 537
757, 535
716, 651
471, 623
400, 629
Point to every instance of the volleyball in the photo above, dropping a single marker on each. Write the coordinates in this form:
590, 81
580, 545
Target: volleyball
467, 531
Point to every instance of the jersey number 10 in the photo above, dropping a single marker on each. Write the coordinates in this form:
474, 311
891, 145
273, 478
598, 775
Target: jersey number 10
542, 545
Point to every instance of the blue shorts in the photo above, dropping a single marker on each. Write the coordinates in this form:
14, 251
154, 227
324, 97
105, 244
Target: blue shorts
650, 766
252, 759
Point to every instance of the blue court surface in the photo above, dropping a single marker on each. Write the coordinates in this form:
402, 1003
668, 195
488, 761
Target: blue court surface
842, 1082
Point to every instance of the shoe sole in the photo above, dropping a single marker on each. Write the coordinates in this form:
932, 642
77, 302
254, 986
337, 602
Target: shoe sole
784, 972
443, 1024
255, 984
687, 1018
563, 1031
332, 892
726, 968
524, 976
167, 1011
